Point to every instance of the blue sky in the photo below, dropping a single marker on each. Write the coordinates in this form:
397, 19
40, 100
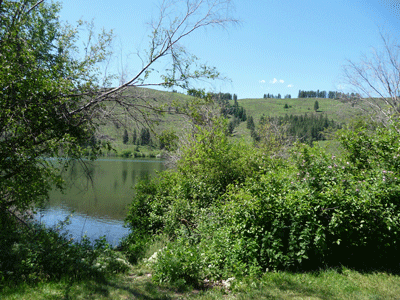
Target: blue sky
279, 47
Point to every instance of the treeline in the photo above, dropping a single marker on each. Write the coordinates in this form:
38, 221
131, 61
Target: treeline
330, 95
223, 96
222, 99
279, 96
307, 128
142, 138
216, 96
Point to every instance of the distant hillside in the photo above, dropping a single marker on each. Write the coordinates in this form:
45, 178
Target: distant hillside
113, 130
341, 112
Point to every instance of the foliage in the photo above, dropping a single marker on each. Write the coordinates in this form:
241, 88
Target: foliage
307, 128
52, 101
168, 140
267, 96
36, 254
317, 214
316, 106
53, 98
250, 123
272, 136
144, 137
179, 263
307, 211
234, 110
174, 198
125, 137
134, 136
35, 53
231, 126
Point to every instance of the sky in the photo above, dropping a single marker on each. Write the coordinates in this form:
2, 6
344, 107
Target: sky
278, 47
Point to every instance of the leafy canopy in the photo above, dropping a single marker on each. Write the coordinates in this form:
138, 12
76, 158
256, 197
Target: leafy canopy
42, 85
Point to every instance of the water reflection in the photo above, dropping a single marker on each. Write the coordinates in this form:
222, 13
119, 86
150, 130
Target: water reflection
98, 196
124, 174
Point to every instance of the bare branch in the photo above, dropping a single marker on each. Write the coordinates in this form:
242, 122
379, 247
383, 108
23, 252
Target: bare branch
377, 79
169, 29
34, 6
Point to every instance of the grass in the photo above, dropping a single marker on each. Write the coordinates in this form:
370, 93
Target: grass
330, 284
137, 284
334, 109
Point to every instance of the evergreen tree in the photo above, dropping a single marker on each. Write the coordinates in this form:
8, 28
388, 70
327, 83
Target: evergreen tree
145, 138
125, 138
316, 106
231, 127
250, 123
134, 136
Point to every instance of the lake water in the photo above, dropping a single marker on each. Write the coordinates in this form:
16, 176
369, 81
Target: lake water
97, 197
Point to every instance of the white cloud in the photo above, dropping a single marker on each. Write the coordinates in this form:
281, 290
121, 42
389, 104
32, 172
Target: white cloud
290, 85
262, 81
276, 80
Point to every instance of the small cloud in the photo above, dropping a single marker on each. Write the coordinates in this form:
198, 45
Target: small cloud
290, 86
262, 81
276, 80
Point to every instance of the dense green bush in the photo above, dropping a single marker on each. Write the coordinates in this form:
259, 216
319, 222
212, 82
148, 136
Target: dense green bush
230, 212
174, 198
179, 263
321, 215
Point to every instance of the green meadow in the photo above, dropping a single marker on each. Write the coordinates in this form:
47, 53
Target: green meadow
334, 109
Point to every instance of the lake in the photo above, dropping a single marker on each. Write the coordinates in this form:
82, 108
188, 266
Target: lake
97, 197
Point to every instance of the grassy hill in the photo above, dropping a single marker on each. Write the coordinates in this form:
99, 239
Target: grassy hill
170, 119
339, 111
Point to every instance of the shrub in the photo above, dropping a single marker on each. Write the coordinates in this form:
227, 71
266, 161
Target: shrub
34, 254
179, 264
126, 153
230, 212
202, 176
